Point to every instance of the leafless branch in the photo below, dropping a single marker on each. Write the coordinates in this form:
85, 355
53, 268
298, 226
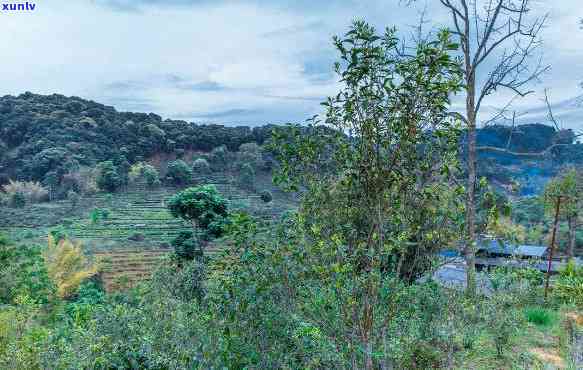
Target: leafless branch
550, 115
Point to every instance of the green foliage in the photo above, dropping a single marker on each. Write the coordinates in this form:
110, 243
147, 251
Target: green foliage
201, 166
179, 173
200, 205
266, 196
219, 158
108, 177
23, 273
46, 135
185, 281
568, 288
502, 321
247, 176
98, 214
74, 198
146, 172
250, 153
18, 200
185, 246
538, 316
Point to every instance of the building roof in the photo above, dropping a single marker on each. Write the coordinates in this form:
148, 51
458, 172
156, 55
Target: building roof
495, 247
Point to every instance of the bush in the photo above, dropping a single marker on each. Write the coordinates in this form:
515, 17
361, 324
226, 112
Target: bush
145, 172
184, 246
247, 176
18, 200
98, 214
108, 177
569, 285
31, 192
201, 166
179, 173
219, 157
73, 197
23, 273
538, 316
185, 282
266, 196
67, 266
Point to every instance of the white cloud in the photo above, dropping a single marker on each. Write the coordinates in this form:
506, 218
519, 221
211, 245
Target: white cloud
254, 61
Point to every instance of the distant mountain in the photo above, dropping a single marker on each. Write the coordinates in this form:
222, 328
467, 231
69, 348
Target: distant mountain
42, 135
526, 157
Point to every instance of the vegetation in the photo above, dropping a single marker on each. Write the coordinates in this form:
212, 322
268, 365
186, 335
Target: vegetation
67, 266
344, 272
179, 173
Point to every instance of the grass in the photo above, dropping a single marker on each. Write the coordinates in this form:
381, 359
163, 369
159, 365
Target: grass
539, 316
536, 344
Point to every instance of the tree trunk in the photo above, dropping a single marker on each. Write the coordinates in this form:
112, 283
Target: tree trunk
553, 239
572, 236
472, 175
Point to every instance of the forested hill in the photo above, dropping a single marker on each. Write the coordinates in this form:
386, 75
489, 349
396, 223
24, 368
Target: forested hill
42, 134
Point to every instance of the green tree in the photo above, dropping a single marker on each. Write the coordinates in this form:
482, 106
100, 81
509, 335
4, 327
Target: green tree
18, 200
146, 172
203, 207
179, 173
107, 177
266, 196
74, 198
247, 176
566, 193
201, 167
377, 202
219, 157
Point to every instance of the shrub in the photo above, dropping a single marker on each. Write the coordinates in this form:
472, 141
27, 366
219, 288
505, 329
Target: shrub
247, 176
425, 356
179, 173
185, 246
145, 172
83, 181
266, 196
108, 178
73, 197
185, 282
219, 157
31, 192
98, 214
23, 273
538, 316
67, 266
201, 166
502, 321
569, 286
18, 200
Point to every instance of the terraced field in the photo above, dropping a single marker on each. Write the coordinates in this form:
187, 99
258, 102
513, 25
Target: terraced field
124, 268
137, 229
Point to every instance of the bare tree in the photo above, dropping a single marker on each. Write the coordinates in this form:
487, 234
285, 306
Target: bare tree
497, 42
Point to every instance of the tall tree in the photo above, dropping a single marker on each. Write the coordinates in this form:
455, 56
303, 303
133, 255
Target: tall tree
374, 170
497, 42
202, 206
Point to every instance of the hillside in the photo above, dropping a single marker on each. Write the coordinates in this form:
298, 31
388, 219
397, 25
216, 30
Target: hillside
44, 136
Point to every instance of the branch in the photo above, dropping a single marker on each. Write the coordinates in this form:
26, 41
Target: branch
550, 115
519, 154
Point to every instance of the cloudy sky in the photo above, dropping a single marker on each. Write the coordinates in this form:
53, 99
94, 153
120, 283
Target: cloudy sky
235, 61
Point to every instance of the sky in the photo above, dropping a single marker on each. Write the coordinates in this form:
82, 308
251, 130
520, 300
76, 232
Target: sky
248, 62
